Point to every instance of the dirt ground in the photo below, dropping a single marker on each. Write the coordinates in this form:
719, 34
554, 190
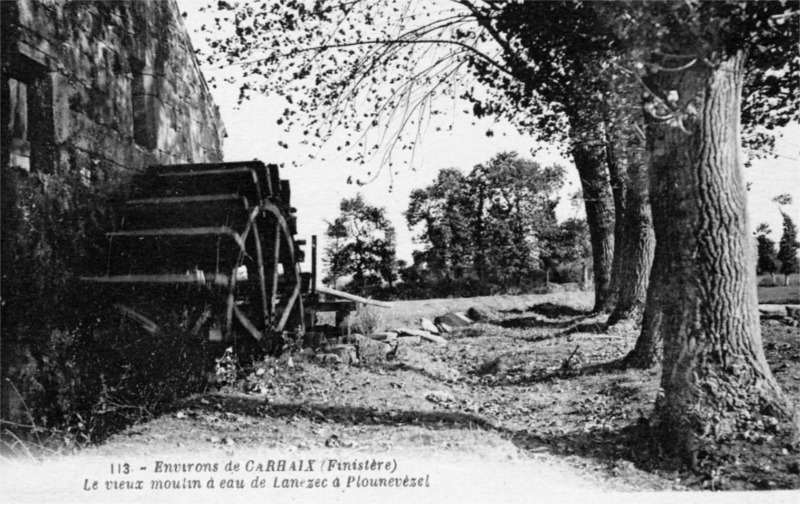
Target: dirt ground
524, 388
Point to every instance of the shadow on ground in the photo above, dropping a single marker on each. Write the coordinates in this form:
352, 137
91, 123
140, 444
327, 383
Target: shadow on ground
531, 322
511, 377
554, 317
554, 311
622, 453
347, 415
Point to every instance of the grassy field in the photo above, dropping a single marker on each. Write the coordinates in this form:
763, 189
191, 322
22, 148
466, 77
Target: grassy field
408, 313
779, 294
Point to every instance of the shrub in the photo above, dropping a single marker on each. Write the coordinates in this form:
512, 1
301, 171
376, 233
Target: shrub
369, 319
83, 384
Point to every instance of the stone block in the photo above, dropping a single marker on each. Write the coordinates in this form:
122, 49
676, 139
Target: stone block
434, 339
346, 353
61, 107
385, 336
410, 332
444, 328
371, 351
479, 314
64, 160
45, 47
454, 319
329, 358
80, 160
146, 124
408, 340
427, 325
26, 10
34, 54
82, 128
767, 311
143, 84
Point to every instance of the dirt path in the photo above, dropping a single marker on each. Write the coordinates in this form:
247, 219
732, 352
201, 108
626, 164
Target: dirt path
510, 410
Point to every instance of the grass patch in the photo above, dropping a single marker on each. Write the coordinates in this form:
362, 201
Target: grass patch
779, 294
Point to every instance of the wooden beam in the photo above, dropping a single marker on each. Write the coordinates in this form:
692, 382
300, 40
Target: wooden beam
355, 298
196, 278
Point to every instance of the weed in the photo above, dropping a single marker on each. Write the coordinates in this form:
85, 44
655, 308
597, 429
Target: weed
86, 383
226, 369
369, 319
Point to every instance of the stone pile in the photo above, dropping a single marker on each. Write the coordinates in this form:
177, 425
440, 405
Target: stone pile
780, 314
376, 347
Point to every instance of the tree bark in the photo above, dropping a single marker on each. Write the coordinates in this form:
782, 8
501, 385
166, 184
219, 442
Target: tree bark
635, 252
589, 158
618, 179
715, 375
647, 352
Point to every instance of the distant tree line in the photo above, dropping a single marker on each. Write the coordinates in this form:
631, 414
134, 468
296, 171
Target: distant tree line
361, 248
783, 260
493, 230
647, 99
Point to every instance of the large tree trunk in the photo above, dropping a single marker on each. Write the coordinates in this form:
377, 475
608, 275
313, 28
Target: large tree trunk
648, 349
714, 374
635, 253
618, 179
589, 156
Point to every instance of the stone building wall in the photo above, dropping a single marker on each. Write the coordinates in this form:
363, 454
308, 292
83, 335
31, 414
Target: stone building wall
92, 93
123, 82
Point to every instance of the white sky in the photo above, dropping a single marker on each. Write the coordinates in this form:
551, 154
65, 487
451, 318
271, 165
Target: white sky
319, 186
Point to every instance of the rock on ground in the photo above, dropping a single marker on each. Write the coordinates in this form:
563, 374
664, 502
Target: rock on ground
454, 319
436, 339
427, 325
479, 314
772, 311
371, 351
384, 336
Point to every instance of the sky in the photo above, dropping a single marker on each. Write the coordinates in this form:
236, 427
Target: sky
319, 186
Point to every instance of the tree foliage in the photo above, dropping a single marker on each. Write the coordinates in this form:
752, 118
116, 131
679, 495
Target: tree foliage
361, 244
375, 69
447, 211
366, 73
518, 201
788, 247
566, 246
370, 75
673, 36
333, 257
767, 262
488, 225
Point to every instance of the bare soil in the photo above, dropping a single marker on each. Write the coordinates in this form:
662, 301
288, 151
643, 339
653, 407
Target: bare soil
533, 383
532, 387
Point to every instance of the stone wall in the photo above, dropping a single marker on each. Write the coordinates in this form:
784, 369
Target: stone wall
126, 88
92, 93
